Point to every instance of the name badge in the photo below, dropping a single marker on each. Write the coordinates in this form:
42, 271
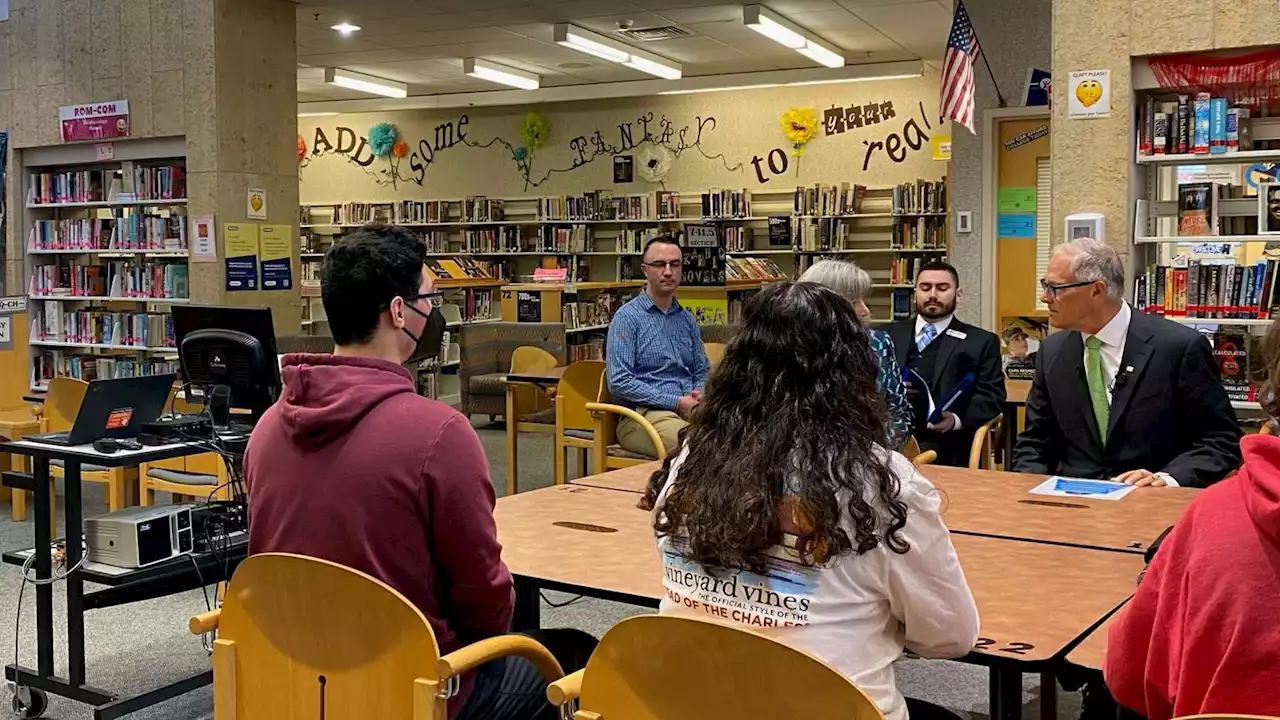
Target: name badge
957, 334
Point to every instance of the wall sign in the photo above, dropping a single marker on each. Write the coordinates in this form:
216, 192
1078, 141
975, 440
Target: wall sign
242, 255
1089, 94
256, 204
274, 245
941, 147
623, 168
96, 121
1027, 137
9, 306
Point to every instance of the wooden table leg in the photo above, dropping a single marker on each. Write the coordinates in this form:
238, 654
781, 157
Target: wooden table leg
513, 429
1048, 696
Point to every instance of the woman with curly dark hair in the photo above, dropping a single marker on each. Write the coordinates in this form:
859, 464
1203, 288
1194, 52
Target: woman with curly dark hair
783, 513
1200, 635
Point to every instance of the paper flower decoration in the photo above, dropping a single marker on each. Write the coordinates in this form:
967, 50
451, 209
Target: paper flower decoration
534, 131
655, 163
382, 138
400, 149
800, 125
302, 148
520, 153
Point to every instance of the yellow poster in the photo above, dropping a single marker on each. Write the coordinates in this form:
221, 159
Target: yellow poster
277, 249
241, 241
707, 311
941, 147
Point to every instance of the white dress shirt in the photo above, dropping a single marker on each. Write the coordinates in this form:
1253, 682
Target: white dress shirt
940, 325
1113, 336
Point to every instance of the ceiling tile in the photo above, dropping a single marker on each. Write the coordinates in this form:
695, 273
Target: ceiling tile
709, 13
912, 25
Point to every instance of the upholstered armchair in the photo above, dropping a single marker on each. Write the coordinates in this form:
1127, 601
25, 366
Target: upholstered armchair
486, 358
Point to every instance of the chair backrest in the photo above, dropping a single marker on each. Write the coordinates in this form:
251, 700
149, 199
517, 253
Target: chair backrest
295, 629
715, 351
910, 448
579, 385
985, 441
62, 403
531, 359
719, 672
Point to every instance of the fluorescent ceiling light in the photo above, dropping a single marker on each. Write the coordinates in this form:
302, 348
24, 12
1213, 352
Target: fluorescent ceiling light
493, 72
365, 83
721, 89
345, 28
316, 114
605, 48
784, 32
797, 83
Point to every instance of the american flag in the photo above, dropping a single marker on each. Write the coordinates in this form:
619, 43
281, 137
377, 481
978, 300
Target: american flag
957, 70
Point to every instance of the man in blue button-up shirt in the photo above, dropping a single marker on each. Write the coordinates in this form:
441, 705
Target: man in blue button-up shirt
656, 362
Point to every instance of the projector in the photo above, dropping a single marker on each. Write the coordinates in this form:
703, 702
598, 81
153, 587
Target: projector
140, 536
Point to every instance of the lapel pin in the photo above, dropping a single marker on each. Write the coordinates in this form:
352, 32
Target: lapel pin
1128, 368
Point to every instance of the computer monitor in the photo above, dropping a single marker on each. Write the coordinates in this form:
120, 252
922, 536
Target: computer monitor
229, 351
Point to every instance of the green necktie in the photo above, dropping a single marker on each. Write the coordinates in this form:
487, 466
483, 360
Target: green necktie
1097, 385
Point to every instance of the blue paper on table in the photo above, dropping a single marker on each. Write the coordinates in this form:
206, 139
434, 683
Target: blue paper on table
1086, 487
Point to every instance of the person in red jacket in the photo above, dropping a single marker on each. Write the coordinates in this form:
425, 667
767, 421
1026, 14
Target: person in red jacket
1200, 635
353, 466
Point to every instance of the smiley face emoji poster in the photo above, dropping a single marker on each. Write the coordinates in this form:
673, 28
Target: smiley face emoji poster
1089, 94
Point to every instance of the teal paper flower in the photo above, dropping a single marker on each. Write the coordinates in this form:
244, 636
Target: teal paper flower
382, 138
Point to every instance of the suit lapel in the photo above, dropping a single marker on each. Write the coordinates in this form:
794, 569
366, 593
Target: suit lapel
946, 345
1137, 351
1071, 375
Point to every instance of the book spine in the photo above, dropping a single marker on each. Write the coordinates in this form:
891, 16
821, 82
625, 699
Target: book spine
1183, 144
1193, 289
1200, 124
1264, 301
1218, 125
1161, 287
1160, 134
1233, 130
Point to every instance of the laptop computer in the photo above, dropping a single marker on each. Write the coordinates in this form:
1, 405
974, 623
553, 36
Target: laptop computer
116, 408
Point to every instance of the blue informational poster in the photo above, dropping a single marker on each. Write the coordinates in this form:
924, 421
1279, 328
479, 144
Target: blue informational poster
1018, 226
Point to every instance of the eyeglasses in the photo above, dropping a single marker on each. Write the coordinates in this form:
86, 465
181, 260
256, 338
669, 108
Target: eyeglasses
435, 296
1053, 290
675, 265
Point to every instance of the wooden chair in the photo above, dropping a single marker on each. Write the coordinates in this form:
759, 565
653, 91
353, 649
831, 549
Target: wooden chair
200, 477
608, 454
911, 451
578, 387
985, 441
485, 358
715, 352
61, 404
724, 672
302, 638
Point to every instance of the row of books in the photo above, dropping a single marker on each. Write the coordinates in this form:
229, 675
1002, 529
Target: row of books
113, 279
594, 205
481, 209
98, 326
1202, 124
752, 268
902, 271
1209, 289
595, 313
736, 239
633, 240
591, 347
921, 196
821, 199
166, 182
901, 304
474, 305
1198, 212
564, 239
51, 364
723, 203
667, 203
130, 231
922, 233
494, 240
464, 268
419, 211
817, 234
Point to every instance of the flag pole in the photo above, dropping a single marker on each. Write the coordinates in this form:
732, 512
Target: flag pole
999, 95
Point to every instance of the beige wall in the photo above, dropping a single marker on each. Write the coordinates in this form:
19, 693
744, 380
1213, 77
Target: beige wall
746, 126
222, 73
1093, 159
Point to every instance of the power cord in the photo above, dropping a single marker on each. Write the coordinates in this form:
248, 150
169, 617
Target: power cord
59, 551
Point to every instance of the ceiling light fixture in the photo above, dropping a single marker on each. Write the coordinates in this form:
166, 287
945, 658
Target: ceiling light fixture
595, 44
345, 28
316, 114
784, 32
798, 83
493, 72
365, 83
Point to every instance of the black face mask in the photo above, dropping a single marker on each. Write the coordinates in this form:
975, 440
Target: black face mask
426, 345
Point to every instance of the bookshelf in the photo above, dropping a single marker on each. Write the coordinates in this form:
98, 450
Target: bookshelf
106, 254
1205, 253
575, 242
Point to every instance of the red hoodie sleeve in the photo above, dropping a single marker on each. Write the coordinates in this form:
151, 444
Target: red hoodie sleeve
1142, 651
457, 500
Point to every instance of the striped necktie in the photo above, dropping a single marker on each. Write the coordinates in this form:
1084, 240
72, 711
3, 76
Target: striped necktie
926, 336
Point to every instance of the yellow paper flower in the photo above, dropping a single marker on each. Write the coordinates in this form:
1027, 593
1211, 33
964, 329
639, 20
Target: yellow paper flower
800, 125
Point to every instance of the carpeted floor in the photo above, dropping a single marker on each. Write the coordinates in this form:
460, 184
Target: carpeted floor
134, 648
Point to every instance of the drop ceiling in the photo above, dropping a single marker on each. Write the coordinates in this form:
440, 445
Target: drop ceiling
422, 42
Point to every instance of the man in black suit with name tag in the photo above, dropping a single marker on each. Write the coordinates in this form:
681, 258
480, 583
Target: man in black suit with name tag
943, 350
1119, 394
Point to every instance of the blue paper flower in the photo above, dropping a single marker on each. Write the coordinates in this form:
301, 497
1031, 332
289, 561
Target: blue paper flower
521, 153
382, 138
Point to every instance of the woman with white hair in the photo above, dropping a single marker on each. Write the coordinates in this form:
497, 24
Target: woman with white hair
854, 284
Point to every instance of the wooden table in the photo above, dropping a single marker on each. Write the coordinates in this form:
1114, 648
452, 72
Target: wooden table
633, 479
1035, 599
1091, 653
999, 504
543, 378
1015, 396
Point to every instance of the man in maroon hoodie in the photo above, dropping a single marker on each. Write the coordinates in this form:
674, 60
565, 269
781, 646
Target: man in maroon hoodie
353, 466
1200, 636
